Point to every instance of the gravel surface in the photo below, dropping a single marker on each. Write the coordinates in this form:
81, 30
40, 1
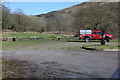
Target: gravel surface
64, 63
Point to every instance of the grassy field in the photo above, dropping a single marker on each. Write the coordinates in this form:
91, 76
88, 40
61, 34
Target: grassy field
47, 38
9, 44
29, 35
44, 36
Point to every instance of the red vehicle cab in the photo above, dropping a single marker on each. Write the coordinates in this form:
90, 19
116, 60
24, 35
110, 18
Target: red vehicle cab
94, 35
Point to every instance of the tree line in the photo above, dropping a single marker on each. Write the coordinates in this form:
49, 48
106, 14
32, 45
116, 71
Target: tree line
96, 16
101, 16
19, 22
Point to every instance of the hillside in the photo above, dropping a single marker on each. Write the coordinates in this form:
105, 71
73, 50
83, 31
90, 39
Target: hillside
87, 15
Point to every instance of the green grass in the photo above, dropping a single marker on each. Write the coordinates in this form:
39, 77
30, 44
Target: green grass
94, 46
45, 36
115, 40
11, 45
102, 46
18, 34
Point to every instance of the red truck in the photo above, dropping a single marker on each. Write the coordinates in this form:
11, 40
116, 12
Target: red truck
88, 35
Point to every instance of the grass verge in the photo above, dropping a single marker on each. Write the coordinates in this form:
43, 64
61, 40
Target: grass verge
11, 45
102, 46
94, 46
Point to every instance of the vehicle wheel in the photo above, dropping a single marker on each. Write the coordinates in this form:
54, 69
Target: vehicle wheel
87, 39
108, 40
103, 42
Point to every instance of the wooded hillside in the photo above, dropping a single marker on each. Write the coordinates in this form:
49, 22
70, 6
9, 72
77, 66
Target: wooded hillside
88, 15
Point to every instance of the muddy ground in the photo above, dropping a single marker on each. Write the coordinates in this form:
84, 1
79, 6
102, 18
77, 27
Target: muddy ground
50, 61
